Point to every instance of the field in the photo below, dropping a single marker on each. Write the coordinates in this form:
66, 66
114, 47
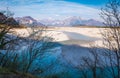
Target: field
69, 35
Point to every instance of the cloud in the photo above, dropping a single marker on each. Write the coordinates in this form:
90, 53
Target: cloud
23, 2
56, 9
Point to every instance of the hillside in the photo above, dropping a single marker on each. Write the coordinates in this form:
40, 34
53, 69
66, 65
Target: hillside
10, 21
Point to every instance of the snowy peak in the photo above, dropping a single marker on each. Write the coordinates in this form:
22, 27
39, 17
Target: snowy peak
92, 22
73, 21
25, 20
70, 21
28, 20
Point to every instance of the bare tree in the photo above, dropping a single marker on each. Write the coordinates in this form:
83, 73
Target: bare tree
90, 65
26, 60
6, 39
111, 16
109, 58
37, 45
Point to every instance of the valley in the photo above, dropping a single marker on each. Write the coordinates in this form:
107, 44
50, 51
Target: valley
82, 36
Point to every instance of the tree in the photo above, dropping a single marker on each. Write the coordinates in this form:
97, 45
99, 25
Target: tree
6, 24
7, 40
7, 13
6, 17
111, 16
37, 45
91, 65
25, 60
109, 56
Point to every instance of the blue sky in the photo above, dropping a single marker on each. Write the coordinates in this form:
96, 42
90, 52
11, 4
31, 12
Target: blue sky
89, 2
54, 9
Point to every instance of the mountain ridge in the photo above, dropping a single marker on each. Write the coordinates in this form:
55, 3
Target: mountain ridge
70, 21
28, 21
10, 21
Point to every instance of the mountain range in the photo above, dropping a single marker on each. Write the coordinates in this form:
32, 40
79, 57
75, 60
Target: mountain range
70, 21
28, 21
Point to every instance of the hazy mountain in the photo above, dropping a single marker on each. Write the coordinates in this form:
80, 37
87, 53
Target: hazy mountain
70, 21
28, 20
92, 22
73, 21
48, 22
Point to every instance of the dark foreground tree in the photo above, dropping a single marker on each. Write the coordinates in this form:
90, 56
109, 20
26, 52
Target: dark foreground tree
111, 17
26, 53
107, 60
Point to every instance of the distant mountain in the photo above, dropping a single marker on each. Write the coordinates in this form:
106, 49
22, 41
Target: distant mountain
48, 22
70, 21
73, 21
92, 22
28, 21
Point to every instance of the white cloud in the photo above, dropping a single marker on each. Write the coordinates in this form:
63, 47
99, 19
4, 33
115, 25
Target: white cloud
54, 9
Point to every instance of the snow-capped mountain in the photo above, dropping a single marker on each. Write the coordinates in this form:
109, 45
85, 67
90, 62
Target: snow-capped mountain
70, 21
92, 22
28, 20
73, 21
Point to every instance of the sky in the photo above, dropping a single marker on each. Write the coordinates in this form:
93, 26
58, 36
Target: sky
54, 9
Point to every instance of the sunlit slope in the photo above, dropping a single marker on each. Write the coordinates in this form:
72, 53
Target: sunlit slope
67, 35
